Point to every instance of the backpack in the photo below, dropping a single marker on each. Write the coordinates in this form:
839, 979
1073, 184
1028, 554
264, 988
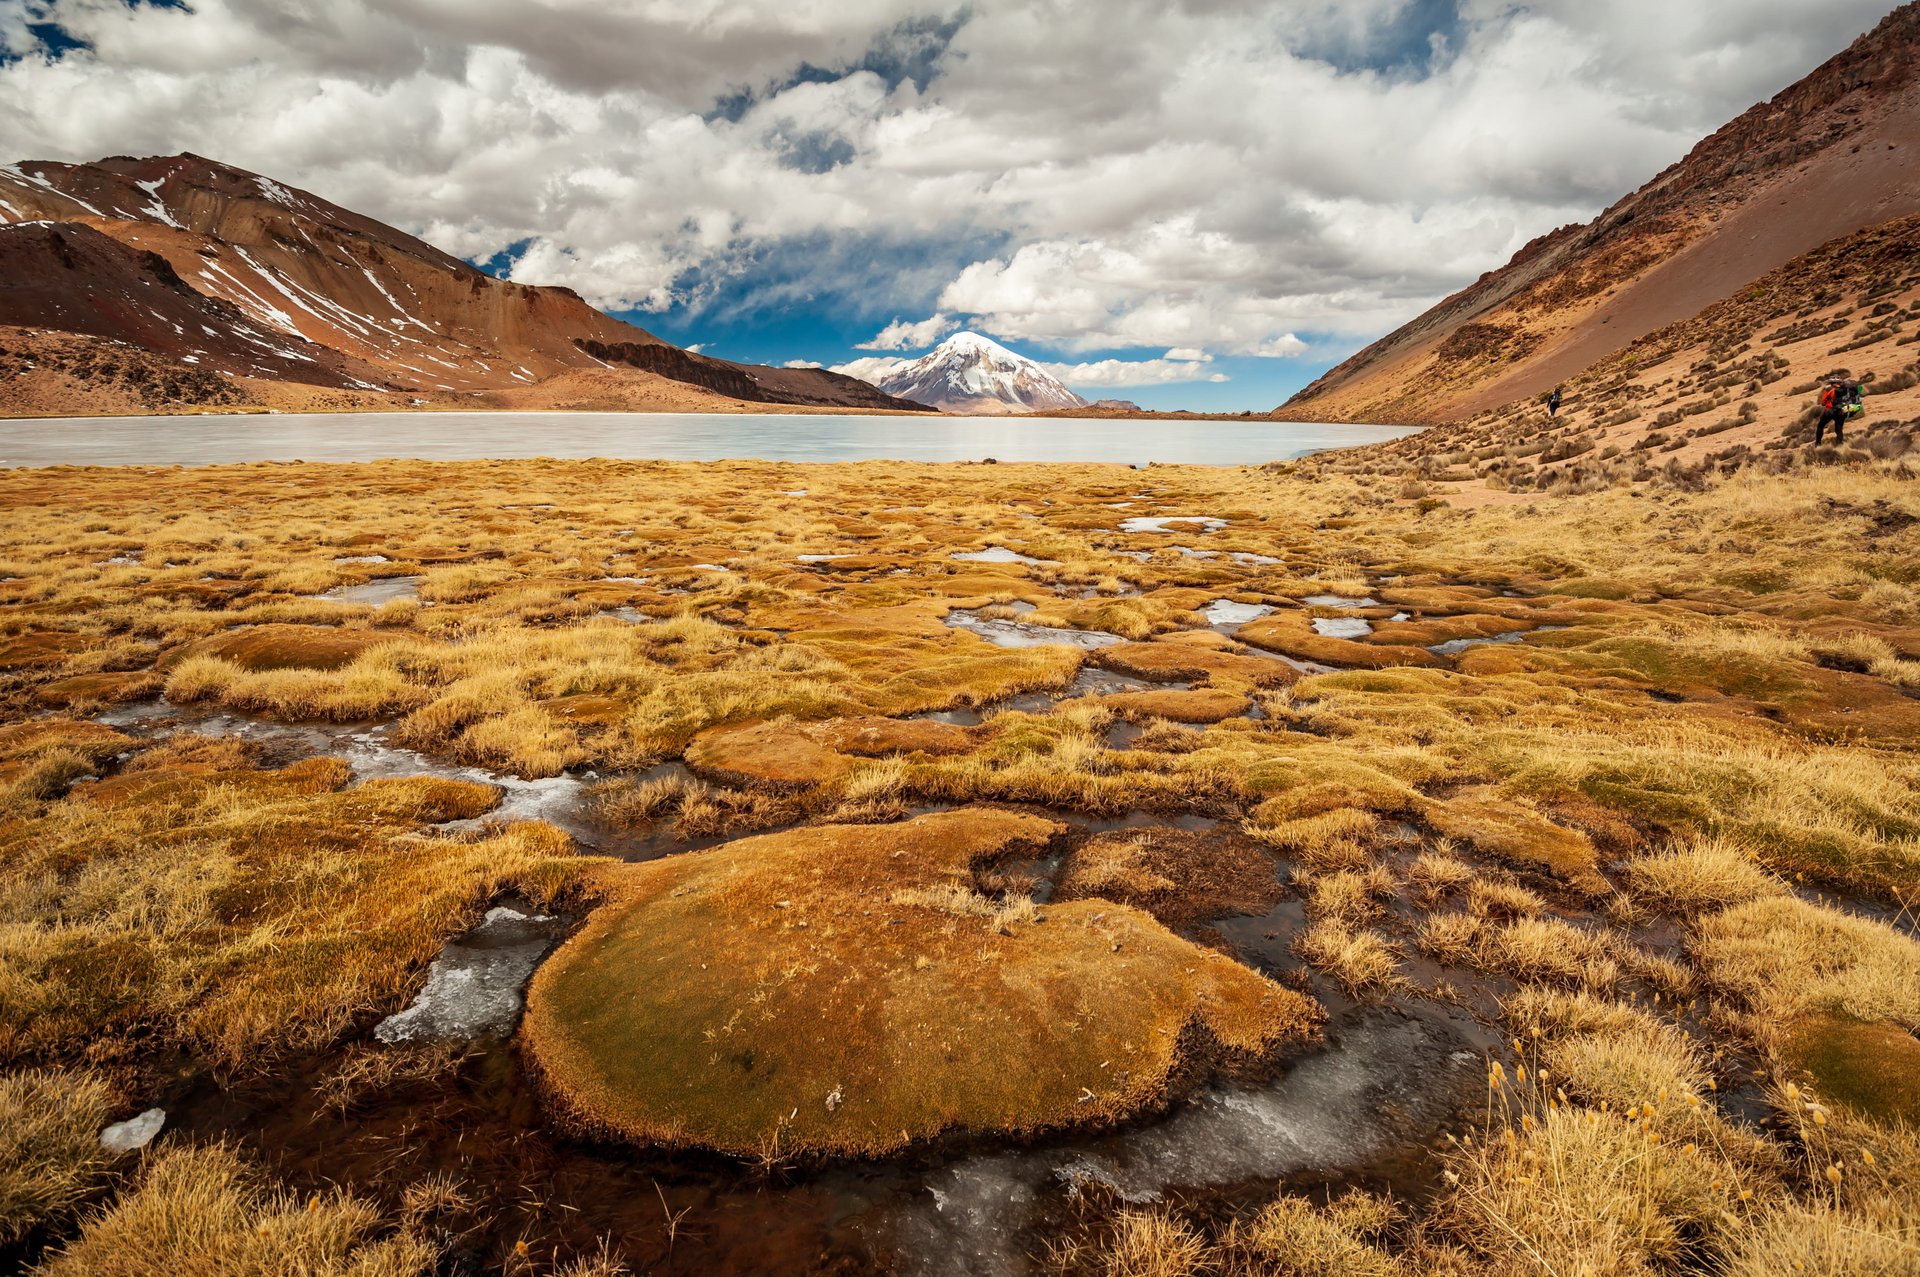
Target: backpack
1829, 397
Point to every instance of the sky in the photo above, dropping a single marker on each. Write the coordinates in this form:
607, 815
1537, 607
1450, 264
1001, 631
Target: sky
1185, 203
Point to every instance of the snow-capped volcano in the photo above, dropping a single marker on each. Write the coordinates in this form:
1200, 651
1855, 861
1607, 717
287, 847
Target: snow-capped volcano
968, 373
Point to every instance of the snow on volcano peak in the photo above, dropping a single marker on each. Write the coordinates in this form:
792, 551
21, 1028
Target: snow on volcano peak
969, 373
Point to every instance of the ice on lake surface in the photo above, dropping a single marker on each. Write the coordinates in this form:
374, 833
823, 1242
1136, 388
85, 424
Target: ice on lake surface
456, 436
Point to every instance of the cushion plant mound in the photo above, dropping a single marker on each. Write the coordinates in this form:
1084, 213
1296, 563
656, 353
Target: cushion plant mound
258, 648
846, 990
1292, 634
1202, 705
1172, 661
1509, 829
784, 754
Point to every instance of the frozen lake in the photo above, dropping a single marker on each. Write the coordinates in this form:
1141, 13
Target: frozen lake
461, 436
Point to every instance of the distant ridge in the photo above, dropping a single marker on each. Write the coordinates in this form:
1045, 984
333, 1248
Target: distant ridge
218, 272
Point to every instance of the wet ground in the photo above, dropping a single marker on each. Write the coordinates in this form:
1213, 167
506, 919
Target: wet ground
445, 1090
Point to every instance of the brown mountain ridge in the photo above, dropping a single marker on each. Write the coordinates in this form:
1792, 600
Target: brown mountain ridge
184, 267
1830, 156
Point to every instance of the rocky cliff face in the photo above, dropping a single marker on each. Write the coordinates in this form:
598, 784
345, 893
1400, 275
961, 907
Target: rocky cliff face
1825, 158
285, 286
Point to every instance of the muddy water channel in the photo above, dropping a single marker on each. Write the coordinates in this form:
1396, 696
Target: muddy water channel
1367, 1105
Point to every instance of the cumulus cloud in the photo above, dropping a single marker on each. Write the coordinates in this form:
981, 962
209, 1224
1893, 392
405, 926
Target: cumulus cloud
903, 335
1236, 174
803, 363
873, 368
1134, 372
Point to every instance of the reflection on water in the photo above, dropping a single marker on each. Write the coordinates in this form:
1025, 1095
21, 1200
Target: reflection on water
456, 436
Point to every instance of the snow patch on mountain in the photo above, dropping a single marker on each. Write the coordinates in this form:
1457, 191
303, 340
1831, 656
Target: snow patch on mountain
969, 373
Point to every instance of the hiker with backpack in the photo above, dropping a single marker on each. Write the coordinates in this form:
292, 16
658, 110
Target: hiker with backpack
1835, 399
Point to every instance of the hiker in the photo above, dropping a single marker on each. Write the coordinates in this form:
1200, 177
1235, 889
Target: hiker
1833, 408
1553, 403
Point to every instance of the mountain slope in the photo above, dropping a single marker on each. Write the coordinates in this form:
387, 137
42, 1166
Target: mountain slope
360, 306
1730, 387
968, 373
1827, 157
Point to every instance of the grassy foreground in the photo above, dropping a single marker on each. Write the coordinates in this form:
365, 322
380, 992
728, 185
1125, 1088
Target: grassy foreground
1665, 833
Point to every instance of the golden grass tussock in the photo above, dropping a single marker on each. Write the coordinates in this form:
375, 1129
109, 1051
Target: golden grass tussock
50, 1153
245, 912
1364, 961
1294, 1238
1701, 874
847, 966
202, 1210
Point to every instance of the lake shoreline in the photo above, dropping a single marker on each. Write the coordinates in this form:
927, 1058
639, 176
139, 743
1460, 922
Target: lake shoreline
705, 437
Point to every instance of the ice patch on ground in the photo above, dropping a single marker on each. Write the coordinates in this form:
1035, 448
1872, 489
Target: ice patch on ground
1025, 634
998, 554
361, 558
1344, 627
819, 558
1335, 600
133, 1134
1453, 647
1227, 612
384, 589
1163, 522
473, 988
1380, 1084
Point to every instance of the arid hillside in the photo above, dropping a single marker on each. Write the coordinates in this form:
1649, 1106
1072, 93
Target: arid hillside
1731, 387
1832, 155
216, 270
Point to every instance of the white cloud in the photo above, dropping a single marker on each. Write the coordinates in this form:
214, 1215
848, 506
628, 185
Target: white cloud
1134, 372
803, 363
873, 368
1285, 346
1191, 354
902, 335
1234, 174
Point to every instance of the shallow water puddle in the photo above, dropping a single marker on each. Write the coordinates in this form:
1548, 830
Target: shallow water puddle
1002, 633
1165, 522
1000, 554
1335, 600
1343, 627
1453, 647
474, 988
382, 589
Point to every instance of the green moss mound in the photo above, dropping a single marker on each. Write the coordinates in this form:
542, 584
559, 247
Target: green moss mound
848, 990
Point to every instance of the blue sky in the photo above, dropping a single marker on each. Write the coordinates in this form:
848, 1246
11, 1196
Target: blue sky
1187, 203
